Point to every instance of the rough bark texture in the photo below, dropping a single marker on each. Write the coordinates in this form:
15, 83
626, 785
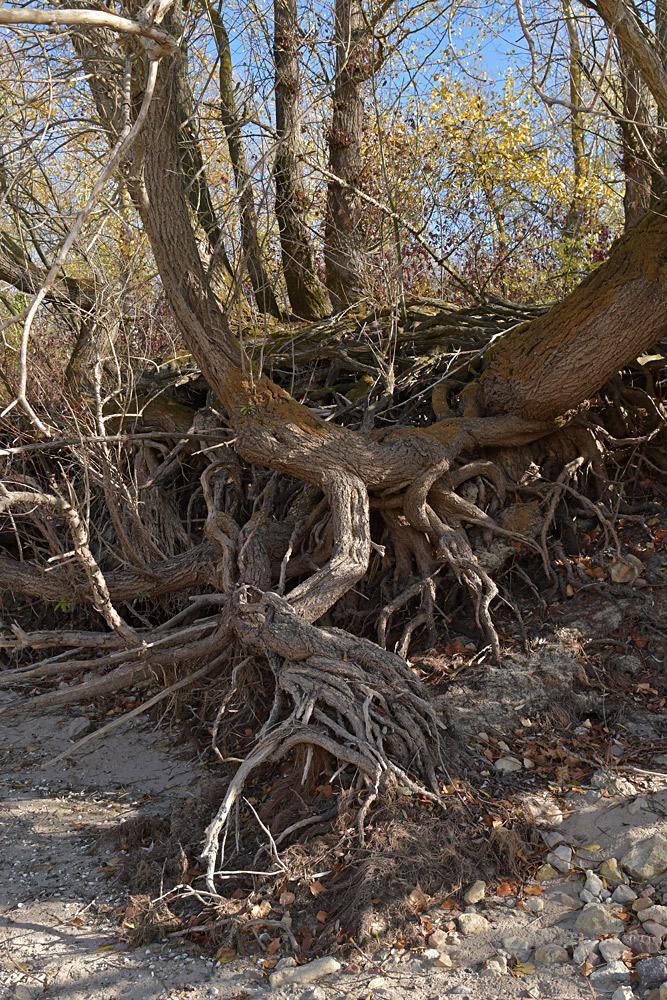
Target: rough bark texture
343, 226
308, 297
637, 143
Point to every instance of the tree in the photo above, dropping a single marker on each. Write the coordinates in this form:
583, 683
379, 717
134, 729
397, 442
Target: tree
334, 690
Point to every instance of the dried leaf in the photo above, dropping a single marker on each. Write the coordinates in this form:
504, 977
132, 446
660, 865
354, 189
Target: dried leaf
322, 916
273, 945
316, 887
533, 890
286, 898
506, 889
260, 910
225, 955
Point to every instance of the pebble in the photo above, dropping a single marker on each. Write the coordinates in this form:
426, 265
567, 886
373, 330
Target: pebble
545, 872
560, 858
612, 949
610, 975
623, 894
508, 764
430, 954
551, 838
517, 947
551, 954
611, 872
652, 971
641, 944
583, 951
79, 727
476, 892
443, 962
641, 904
571, 902
623, 993
598, 918
534, 904
472, 923
305, 973
648, 858
438, 940
655, 912
496, 966
315, 994
654, 929
612, 783
593, 886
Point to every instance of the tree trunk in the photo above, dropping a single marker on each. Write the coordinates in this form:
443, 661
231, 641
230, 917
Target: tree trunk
637, 143
575, 213
229, 114
343, 224
308, 297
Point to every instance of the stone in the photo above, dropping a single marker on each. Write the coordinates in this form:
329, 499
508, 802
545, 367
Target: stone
472, 923
475, 893
305, 973
459, 990
378, 983
534, 904
443, 962
288, 962
517, 947
315, 994
79, 727
612, 949
648, 858
551, 838
438, 940
589, 897
545, 872
551, 954
654, 912
571, 902
654, 929
496, 966
641, 944
612, 783
642, 903
623, 993
652, 971
560, 858
582, 952
623, 894
430, 954
609, 976
598, 918
593, 885
508, 764
610, 872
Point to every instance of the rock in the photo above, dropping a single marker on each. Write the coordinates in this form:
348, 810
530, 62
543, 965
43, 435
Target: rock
79, 727
430, 954
545, 872
623, 993
443, 962
612, 949
654, 912
609, 976
652, 971
305, 973
508, 764
286, 963
534, 904
648, 858
378, 983
642, 903
476, 892
571, 902
611, 872
551, 954
517, 947
472, 923
560, 858
438, 940
641, 944
589, 897
551, 838
612, 783
654, 929
315, 994
593, 885
496, 966
458, 991
583, 951
598, 918
623, 894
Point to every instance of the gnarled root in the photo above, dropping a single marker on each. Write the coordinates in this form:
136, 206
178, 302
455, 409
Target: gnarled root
361, 704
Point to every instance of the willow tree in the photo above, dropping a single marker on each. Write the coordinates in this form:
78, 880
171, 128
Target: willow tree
332, 689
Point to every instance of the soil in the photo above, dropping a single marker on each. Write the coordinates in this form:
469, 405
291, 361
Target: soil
580, 707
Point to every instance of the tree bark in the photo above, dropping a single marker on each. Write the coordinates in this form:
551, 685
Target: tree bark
229, 114
343, 225
308, 297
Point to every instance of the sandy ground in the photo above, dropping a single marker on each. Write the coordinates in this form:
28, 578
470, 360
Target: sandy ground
58, 904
